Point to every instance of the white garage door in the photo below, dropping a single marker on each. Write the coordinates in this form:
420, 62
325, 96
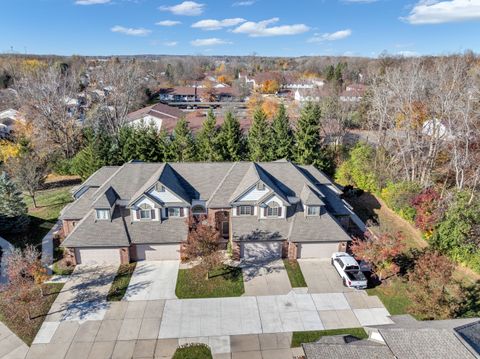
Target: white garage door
158, 252
262, 250
98, 256
317, 250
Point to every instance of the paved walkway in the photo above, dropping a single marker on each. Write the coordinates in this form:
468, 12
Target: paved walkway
265, 278
47, 245
11, 346
7, 247
153, 280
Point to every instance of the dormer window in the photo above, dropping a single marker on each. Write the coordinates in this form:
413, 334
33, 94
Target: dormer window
261, 186
145, 212
103, 214
273, 210
198, 209
313, 210
159, 187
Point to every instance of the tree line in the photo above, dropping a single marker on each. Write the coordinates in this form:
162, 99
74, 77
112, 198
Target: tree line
267, 140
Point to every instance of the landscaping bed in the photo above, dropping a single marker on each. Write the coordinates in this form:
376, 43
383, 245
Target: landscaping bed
225, 281
294, 273
193, 351
120, 282
312, 336
26, 329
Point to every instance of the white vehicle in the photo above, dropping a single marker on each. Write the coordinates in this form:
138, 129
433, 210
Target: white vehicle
349, 270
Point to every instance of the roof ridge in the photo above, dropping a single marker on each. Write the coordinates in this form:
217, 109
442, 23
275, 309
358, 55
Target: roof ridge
234, 164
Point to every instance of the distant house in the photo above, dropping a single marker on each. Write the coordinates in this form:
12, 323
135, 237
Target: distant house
353, 93
222, 93
308, 95
8, 120
160, 115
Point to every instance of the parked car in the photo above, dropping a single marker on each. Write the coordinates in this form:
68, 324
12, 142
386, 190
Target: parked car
349, 270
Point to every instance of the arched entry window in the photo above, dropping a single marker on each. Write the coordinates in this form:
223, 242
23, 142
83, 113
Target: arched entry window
198, 209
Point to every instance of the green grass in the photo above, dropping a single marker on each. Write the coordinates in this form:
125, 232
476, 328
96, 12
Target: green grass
312, 336
192, 283
393, 296
120, 282
193, 351
25, 328
294, 273
49, 204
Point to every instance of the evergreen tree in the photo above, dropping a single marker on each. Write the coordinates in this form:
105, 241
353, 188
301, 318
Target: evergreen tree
308, 148
13, 210
183, 144
207, 140
231, 140
127, 144
259, 137
87, 161
282, 136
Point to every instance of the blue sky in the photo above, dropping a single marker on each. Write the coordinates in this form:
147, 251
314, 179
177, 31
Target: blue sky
240, 27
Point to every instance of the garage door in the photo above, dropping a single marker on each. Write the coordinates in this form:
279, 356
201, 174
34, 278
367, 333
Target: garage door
262, 250
158, 252
317, 250
98, 256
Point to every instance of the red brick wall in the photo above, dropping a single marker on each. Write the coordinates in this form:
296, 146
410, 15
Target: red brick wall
69, 255
68, 225
124, 255
292, 250
236, 250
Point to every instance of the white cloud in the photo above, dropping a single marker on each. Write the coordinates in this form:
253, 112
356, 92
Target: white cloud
331, 36
209, 42
187, 8
171, 43
91, 2
261, 28
217, 24
438, 12
131, 31
244, 3
168, 23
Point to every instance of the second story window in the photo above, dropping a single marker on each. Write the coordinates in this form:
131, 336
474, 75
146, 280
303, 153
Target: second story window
313, 211
159, 187
175, 212
103, 214
145, 212
244, 210
273, 210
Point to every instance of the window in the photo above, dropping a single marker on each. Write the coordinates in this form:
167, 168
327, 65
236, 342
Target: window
261, 186
198, 209
159, 187
145, 212
313, 210
245, 210
273, 210
175, 212
103, 214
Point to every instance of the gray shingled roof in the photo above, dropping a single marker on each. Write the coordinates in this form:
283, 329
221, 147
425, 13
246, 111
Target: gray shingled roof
248, 228
310, 197
323, 228
425, 344
347, 351
106, 200
96, 179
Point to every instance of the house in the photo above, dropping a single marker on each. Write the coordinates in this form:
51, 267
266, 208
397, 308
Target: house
353, 93
8, 120
160, 115
407, 338
144, 211
221, 93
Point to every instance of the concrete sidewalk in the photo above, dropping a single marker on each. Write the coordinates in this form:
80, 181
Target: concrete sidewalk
11, 346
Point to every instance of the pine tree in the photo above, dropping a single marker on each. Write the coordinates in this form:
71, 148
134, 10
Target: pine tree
259, 137
183, 144
308, 148
231, 140
282, 136
86, 162
207, 140
13, 210
127, 143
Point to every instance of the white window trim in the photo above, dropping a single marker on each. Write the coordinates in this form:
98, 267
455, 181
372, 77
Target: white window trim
314, 214
174, 216
102, 218
252, 211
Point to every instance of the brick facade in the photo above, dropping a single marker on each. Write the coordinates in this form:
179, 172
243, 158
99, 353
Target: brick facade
68, 225
124, 255
292, 250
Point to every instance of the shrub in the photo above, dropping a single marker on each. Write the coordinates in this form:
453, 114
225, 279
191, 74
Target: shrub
358, 169
193, 351
398, 196
63, 167
427, 209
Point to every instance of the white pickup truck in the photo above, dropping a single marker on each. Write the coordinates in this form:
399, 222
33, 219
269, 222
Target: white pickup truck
349, 270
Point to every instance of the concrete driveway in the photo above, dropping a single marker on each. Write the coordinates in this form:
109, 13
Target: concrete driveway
153, 280
322, 277
265, 278
84, 295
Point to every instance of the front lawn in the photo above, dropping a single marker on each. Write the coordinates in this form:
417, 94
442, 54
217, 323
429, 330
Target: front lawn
193, 351
26, 329
120, 282
49, 204
312, 336
393, 295
294, 273
224, 282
